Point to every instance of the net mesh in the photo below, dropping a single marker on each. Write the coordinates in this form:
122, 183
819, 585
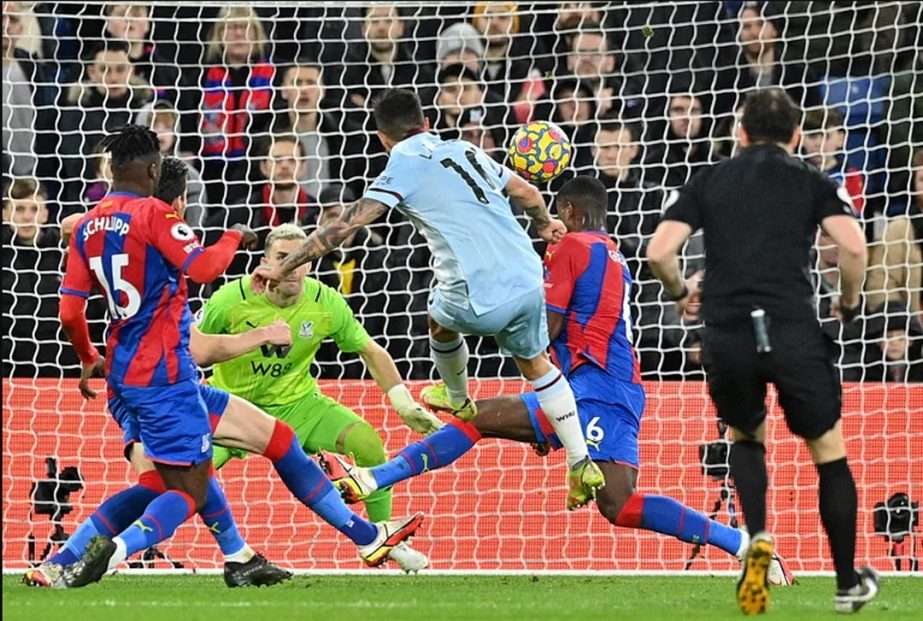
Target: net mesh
269, 104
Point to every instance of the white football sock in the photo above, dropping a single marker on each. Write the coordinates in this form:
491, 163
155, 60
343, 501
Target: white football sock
120, 554
744, 543
451, 359
557, 400
241, 556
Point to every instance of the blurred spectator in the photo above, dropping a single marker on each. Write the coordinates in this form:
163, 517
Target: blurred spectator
358, 270
505, 73
109, 98
477, 126
687, 147
845, 340
230, 102
725, 139
569, 20
896, 263
33, 344
99, 176
279, 199
573, 106
164, 120
323, 141
822, 141
383, 62
459, 88
460, 44
591, 60
898, 356
132, 23
760, 63
905, 110
28, 97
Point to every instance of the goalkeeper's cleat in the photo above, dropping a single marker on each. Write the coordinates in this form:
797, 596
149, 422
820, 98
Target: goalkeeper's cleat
390, 534
93, 566
255, 572
354, 483
47, 575
437, 397
779, 573
408, 559
851, 600
753, 585
583, 483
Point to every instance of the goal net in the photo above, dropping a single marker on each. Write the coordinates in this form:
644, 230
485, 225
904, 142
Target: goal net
270, 106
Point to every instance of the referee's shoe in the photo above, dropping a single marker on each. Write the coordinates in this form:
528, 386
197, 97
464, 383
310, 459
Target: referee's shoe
851, 600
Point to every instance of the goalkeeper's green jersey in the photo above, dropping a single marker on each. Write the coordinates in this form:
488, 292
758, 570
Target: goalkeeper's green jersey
273, 375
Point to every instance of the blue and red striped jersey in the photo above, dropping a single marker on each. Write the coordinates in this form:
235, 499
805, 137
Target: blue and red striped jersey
135, 250
587, 281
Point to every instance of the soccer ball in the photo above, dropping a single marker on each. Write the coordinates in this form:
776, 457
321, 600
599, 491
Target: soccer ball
540, 151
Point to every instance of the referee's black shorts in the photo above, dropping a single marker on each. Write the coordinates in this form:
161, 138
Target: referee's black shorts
800, 365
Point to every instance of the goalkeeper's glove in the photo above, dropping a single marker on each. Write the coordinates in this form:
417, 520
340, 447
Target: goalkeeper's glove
414, 415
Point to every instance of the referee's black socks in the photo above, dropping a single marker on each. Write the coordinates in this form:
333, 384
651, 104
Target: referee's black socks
838, 505
748, 467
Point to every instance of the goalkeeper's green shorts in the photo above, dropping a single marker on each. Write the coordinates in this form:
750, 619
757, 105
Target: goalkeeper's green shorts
320, 423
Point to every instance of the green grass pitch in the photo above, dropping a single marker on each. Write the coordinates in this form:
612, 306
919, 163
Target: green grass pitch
440, 598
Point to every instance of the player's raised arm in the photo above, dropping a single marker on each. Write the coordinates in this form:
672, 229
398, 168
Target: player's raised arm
527, 197
209, 349
324, 239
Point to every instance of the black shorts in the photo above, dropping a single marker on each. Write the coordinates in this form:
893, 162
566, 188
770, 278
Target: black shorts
800, 365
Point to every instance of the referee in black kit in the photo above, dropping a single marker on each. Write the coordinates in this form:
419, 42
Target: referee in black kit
759, 212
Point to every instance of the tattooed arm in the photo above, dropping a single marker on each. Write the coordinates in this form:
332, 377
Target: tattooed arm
527, 196
327, 237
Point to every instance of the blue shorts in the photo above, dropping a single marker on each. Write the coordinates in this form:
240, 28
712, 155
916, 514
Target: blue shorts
609, 411
520, 326
173, 434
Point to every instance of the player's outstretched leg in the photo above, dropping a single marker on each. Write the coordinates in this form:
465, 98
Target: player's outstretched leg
450, 356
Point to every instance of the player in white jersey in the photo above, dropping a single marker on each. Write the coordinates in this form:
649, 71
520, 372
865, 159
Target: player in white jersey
489, 278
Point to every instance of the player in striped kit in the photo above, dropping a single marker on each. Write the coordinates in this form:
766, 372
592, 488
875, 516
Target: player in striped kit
587, 288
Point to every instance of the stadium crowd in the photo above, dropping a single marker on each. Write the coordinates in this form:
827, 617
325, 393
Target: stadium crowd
271, 107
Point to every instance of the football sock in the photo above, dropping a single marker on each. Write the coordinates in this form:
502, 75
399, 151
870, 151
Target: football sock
557, 400
748, 467
160, 520
310, 485
838, 506
451, 360
216, 515
437, 450
361, 441
114, 515
665, 515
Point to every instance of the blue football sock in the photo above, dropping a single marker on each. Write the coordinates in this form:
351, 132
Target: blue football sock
159, 522
437, 450
310, 485
216, 515
668, 516
113, 516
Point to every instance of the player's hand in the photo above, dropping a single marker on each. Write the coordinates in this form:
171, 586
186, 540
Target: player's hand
67, 227
844, 311
552, 231
688, 307
264, 276
278, 333
87, 371
412, 413
249, 237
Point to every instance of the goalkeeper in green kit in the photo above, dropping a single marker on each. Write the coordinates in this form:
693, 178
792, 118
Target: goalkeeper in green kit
278, 380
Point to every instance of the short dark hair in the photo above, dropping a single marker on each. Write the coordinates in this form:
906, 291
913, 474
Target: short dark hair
173, 175
131, 142
456, 71
263, 146
770, 115
588, 195
816, 119
107, 45
398, 112
616, 125
24, 187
